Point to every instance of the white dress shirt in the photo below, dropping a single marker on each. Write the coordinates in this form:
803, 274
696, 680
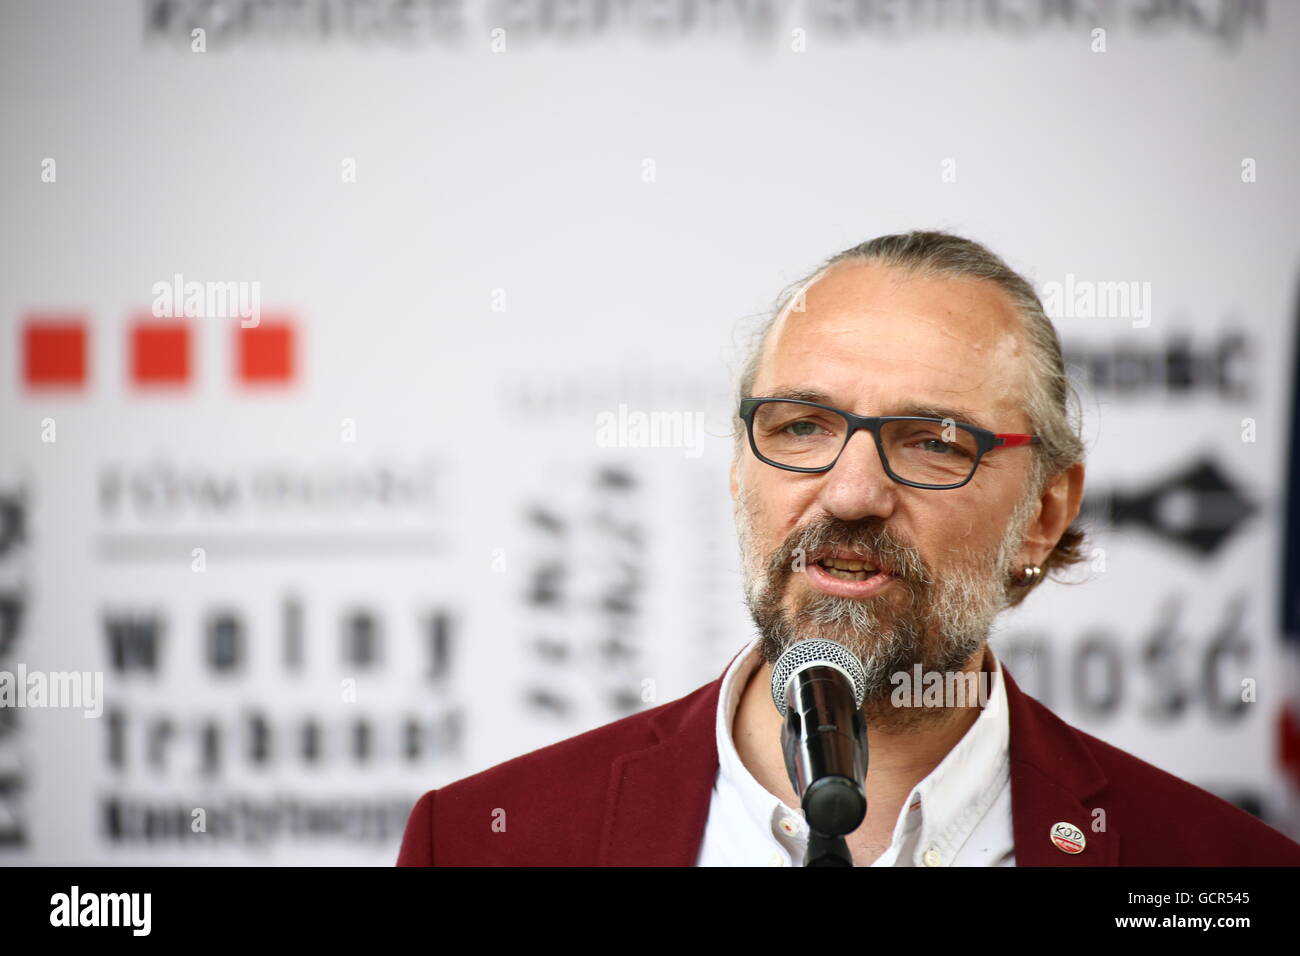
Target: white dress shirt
959, 815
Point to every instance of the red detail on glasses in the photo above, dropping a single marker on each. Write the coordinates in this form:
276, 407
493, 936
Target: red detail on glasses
54, 350
1011, 441
266, 353
160, 353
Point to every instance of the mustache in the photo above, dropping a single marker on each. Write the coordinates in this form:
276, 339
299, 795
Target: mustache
869, 537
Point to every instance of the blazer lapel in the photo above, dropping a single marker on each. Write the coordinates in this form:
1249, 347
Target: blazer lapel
659, 796
1052, 778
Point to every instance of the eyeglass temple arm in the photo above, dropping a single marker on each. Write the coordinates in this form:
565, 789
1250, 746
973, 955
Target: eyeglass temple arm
1009, 440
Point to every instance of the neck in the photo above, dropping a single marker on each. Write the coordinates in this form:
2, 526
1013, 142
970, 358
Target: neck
900, 756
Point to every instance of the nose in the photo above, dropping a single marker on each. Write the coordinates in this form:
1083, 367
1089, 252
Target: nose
858, 486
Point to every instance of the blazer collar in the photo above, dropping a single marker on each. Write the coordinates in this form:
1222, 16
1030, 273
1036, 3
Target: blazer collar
658, 799
1053, 775
657, 803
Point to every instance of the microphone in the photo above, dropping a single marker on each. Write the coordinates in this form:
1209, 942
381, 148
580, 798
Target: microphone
818, 687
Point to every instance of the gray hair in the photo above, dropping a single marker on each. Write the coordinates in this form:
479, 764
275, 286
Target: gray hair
1050, 400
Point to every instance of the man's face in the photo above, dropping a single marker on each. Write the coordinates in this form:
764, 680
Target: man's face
875, 342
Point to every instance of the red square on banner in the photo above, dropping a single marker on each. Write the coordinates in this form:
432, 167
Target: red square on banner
265, 352
54, 350
160, 353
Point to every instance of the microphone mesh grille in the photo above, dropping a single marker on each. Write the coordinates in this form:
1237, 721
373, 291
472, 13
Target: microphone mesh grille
816, 651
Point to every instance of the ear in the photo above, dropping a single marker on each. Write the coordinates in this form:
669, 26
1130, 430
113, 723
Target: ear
1057, 508
735, 485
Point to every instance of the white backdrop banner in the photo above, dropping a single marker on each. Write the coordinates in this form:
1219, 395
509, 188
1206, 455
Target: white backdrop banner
366, 391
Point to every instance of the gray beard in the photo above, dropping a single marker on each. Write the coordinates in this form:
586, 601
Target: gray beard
939, 621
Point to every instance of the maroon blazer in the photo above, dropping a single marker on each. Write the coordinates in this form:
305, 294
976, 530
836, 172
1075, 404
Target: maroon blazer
636, 792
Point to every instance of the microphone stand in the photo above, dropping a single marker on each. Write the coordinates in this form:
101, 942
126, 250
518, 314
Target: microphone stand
827, 851
834, 806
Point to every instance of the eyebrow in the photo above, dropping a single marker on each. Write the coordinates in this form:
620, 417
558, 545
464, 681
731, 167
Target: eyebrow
919, 409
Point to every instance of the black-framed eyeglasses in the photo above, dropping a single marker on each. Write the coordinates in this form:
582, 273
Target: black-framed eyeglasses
921, 452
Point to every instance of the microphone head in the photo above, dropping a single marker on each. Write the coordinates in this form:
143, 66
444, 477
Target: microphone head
817, 652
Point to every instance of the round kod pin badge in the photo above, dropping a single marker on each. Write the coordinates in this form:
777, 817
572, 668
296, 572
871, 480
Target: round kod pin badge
1068, 838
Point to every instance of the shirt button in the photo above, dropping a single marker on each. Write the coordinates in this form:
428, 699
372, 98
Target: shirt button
932, 858
776, 859
790, 825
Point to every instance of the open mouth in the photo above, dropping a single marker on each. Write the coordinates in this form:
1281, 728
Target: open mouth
848, 570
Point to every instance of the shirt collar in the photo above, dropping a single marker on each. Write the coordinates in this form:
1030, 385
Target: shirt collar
764, 808
946, 804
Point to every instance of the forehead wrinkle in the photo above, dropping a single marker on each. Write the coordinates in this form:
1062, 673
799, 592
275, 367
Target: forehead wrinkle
850, 322
935, 377
842, 310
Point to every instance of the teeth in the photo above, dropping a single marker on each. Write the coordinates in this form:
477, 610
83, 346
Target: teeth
849, 575
848, 570
847, 565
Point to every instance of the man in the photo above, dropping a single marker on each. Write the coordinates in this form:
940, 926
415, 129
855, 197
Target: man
901, 536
